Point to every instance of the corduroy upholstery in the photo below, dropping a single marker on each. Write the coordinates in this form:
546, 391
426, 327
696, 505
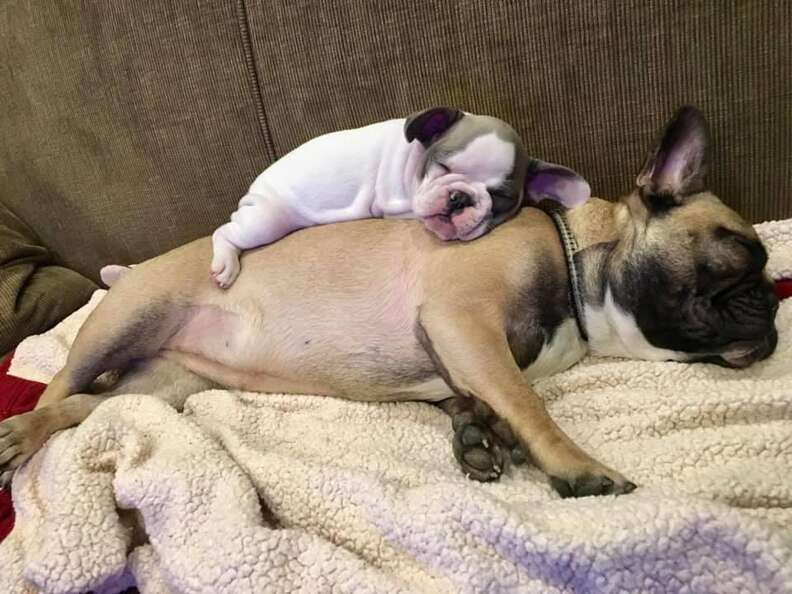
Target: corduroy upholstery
131, 127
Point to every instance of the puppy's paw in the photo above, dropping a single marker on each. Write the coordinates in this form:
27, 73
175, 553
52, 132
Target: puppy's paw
478, 451
225, 269
592, 483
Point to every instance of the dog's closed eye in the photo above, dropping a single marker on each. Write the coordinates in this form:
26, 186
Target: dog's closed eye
757, 254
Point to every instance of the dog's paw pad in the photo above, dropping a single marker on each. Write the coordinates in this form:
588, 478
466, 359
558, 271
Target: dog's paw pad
478, 452
518, 455
472, 435
478, 458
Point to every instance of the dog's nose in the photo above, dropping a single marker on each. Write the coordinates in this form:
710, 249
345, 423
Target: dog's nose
459, 200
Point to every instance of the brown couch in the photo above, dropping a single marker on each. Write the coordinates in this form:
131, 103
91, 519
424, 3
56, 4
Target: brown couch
131, 127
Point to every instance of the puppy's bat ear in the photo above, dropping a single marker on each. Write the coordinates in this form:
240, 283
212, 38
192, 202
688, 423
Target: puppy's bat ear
676, 166
555, 182
427, 125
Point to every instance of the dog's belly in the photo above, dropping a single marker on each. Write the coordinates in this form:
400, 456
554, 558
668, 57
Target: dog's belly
376, 358
353, 346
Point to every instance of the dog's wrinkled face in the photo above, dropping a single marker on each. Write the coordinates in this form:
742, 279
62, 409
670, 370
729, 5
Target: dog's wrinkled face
475, 173
690, 269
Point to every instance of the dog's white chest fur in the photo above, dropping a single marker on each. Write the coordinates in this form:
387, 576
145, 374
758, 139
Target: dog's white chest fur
615, 333
564, 350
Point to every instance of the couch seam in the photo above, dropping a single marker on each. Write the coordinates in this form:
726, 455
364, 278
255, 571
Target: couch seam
253, 79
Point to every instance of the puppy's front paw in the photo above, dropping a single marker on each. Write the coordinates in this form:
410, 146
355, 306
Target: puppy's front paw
225, 269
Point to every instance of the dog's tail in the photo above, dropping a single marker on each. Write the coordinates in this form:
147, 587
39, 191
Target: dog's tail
111, 273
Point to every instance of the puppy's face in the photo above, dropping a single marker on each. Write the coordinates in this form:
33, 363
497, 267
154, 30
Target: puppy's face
475, 173
692, 268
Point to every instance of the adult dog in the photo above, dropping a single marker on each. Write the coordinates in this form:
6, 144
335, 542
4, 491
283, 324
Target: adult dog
379, 310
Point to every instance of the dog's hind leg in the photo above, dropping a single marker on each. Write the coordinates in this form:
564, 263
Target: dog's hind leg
21, 436
118, 333
163, 378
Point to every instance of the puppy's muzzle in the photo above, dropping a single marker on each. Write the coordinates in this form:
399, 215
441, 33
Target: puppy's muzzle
458, 201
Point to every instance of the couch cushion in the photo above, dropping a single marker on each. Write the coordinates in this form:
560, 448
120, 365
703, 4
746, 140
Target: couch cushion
128, 128
35, 291
587, 83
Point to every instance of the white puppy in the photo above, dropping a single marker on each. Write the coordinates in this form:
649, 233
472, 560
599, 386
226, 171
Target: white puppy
462, 174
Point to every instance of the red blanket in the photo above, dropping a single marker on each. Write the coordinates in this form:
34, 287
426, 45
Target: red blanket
16, 396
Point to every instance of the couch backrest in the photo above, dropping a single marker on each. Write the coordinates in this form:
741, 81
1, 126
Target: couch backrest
131, 127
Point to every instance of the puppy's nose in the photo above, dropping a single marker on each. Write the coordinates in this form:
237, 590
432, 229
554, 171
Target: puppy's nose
459, 200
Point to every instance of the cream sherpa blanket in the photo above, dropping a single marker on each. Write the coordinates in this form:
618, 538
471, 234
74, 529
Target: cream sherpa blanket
370, 499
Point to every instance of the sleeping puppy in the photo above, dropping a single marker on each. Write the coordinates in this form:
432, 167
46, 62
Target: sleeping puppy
462, 174
383, 310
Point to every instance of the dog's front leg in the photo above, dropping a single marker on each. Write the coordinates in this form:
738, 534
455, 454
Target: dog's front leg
472, 354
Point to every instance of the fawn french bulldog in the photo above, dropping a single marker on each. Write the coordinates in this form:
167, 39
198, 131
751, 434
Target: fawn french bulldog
384, 310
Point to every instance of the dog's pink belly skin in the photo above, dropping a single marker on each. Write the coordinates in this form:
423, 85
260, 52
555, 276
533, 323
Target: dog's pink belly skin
357, 340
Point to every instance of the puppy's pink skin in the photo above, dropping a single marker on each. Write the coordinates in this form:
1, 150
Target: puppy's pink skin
431, 205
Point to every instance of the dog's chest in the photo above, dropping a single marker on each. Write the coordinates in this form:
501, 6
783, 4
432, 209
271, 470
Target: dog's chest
564, 349
615, 333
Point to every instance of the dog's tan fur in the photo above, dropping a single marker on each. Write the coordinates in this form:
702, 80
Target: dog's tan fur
374, 310
314, 303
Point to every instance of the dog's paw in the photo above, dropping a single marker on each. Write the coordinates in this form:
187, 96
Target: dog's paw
587, 484
19, 440
10, 444
478, 451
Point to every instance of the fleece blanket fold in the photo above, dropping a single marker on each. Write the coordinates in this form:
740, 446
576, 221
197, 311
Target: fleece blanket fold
368, 497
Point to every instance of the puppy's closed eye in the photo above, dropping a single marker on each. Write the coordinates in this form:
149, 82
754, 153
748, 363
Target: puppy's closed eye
502, 201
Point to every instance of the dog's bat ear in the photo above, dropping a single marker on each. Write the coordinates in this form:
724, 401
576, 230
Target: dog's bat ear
555, 182
427, 125
677, 165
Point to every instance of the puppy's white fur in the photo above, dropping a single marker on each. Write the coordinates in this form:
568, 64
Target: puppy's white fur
356, 174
